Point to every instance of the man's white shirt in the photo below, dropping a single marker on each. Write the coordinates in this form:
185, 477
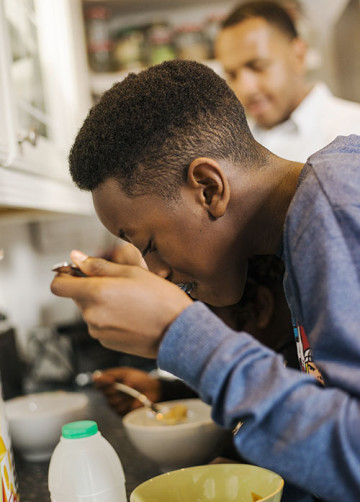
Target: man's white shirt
318, 119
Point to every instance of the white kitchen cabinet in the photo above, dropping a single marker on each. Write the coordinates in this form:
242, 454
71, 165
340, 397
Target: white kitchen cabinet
44, 96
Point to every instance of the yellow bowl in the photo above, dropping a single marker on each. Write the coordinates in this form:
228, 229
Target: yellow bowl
212, 483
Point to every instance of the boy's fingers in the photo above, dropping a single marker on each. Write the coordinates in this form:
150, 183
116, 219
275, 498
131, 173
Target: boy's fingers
68, 286
97, 266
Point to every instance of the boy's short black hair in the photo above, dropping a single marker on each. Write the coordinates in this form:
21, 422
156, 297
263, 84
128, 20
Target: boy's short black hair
147, 129
272, 12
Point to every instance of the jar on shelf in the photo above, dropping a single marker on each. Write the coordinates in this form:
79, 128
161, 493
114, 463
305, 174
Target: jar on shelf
129, 46
191, 43
211, 29
160, 43
99, 41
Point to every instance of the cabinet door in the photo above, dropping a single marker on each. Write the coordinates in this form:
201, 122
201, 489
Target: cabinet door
39, 95
7, 137
30, 134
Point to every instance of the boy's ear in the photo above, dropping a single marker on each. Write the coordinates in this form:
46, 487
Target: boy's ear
212, 185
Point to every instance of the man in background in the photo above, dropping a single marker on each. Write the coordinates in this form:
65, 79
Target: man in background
264, 60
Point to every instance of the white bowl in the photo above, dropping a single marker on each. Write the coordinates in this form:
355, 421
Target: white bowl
193, 442
35, 420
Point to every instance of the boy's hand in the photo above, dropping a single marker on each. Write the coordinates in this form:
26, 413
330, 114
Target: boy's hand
126, 307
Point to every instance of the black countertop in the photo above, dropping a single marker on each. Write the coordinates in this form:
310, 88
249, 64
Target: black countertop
32, 476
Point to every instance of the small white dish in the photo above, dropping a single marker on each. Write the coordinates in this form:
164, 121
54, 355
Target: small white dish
35, 420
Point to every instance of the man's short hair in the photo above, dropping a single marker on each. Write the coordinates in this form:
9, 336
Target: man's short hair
147, 129
272, 12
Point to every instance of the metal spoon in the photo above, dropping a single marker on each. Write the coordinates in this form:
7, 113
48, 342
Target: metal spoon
157, 410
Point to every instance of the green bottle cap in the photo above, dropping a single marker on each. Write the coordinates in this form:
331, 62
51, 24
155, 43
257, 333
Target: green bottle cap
80, 429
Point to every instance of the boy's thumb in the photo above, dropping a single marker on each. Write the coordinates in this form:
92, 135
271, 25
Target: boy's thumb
96, 266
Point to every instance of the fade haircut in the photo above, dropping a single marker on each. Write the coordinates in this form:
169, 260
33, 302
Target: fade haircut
147, 129
272, 12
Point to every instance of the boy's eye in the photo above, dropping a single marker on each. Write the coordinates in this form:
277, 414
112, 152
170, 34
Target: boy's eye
150, 248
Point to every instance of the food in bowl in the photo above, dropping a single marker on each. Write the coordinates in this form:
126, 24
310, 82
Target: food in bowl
193, 440
173, 415
35, 420
212, 483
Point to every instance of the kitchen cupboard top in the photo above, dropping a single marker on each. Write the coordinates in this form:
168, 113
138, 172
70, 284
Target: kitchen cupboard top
44, 96
25, 191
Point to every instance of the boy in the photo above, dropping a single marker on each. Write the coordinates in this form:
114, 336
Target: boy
173, 169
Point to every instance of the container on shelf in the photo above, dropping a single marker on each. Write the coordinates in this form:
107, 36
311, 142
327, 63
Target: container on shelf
211, 29
191, 43
160, 43
129, 48
99, 41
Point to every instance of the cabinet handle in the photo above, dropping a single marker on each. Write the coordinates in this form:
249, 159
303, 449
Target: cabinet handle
31, 137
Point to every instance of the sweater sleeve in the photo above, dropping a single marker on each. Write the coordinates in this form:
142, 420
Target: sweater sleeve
290, 424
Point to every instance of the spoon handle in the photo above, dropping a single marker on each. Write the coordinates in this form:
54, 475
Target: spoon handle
134, 393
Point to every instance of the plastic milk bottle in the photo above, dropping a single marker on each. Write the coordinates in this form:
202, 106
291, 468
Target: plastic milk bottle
84, 467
